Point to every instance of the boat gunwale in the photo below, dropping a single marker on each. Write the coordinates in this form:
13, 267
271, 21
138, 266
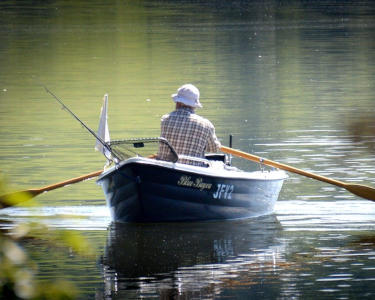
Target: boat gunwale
197, 170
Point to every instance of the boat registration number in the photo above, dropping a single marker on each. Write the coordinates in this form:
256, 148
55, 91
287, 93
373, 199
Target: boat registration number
223, 191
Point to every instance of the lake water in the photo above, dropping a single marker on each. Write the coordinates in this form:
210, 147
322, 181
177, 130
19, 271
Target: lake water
286, 78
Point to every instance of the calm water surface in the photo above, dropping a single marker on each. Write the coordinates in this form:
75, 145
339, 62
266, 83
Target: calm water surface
287, 79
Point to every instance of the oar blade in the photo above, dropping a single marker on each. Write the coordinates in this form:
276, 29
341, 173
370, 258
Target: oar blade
363, 191
14, 198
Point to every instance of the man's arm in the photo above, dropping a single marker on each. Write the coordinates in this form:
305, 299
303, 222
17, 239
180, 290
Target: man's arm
213, 144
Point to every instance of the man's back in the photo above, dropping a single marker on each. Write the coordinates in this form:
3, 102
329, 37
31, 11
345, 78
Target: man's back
188, 133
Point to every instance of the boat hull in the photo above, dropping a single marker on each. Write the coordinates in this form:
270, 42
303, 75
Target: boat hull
140, 190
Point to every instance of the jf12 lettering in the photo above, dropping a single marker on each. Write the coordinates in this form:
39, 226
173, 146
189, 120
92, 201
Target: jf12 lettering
224, 191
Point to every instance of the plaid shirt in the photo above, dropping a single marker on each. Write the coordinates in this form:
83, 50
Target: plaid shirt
189, 134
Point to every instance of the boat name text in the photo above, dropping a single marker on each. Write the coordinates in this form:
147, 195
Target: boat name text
198, 183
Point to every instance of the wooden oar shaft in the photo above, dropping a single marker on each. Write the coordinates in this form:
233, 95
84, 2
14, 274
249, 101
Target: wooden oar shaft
20, 196
280, 166
67, 182
363, 191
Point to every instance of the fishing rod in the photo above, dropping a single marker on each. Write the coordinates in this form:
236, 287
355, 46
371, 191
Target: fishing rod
105, 145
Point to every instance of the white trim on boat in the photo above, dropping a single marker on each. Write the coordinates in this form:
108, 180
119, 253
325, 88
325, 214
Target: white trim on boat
216, 169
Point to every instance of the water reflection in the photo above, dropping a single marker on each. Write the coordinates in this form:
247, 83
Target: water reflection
309, 249
363, 131
189, 259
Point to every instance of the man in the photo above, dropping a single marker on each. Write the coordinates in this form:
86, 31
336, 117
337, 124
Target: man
188, 133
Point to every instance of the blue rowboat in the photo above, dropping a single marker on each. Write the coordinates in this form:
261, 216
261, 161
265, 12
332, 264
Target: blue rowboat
141, 189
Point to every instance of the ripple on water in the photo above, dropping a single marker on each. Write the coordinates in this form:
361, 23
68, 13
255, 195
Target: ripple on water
68, 217
341, 215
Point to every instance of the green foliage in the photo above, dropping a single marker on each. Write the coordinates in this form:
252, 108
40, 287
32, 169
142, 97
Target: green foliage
18, 271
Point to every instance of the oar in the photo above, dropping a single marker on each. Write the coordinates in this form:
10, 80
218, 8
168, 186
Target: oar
11, 198
357, 189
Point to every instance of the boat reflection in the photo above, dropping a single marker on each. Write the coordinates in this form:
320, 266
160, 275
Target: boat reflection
187, 259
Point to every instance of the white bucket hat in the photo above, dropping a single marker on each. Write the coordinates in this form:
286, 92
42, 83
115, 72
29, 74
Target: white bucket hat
187, 94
